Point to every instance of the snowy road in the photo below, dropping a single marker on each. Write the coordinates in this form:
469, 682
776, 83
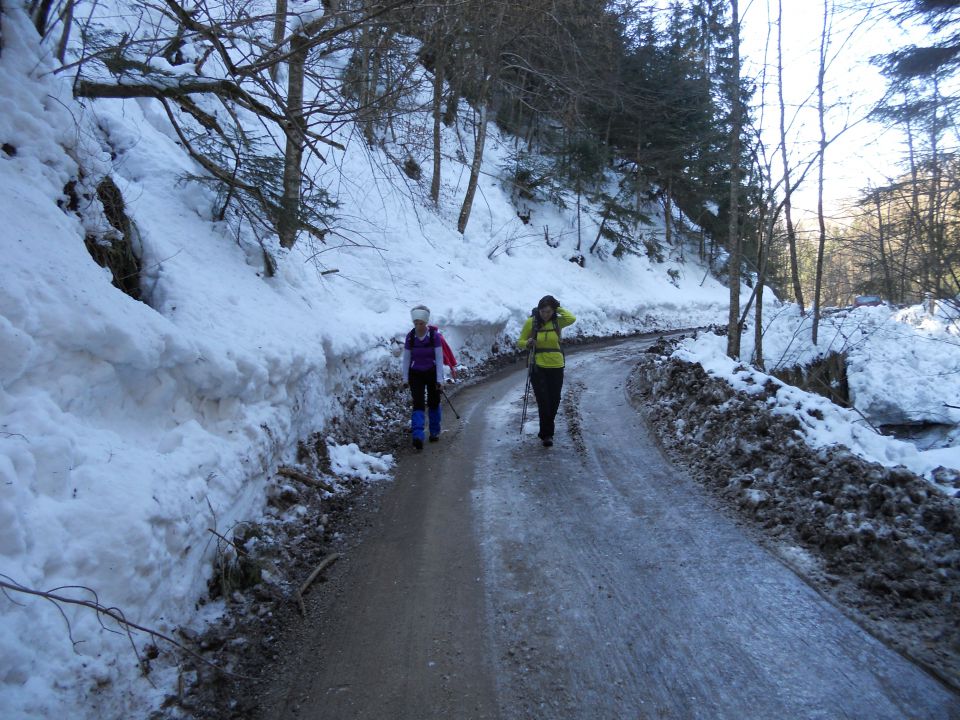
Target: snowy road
591, 580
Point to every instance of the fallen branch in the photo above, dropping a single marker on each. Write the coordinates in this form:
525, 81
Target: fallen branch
231, 543
324, 564
114, 614
295, 474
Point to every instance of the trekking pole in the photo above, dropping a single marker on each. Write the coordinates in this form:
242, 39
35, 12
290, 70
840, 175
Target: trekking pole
449, 403
526, 390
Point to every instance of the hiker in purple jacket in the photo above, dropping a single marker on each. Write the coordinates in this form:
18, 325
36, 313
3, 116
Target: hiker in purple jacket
423, 370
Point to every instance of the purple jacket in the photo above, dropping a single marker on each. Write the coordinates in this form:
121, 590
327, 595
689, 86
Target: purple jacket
422, 354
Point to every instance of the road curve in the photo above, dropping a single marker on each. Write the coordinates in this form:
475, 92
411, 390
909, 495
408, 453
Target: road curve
591, 580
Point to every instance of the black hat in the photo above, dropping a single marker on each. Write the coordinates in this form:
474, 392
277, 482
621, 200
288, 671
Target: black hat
548, 301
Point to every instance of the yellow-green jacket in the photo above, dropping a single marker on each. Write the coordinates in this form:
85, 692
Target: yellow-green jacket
548, 353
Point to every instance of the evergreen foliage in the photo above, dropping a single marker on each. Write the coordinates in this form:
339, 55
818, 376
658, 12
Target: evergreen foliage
619, 234
253, 199
533, 178
941, 56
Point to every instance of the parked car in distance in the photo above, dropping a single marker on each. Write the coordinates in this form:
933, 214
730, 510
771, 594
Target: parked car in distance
867, 301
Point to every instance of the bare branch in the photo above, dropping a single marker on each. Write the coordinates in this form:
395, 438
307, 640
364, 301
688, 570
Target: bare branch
114, 614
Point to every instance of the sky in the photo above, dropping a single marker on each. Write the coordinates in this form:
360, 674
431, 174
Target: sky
863, 153
129, 430
866, 153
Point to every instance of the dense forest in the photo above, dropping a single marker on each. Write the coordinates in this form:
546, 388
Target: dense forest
655, 91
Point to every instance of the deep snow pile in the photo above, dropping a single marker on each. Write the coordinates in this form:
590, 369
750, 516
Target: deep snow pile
901, 366
918, 379
879, 540
134, 435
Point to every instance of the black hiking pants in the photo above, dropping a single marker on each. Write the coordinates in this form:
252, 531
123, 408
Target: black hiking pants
547, 384
421, 380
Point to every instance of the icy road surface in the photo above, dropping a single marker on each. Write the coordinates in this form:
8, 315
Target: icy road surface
590, 580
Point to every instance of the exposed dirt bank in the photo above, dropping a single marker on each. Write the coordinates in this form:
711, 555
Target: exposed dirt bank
880, 542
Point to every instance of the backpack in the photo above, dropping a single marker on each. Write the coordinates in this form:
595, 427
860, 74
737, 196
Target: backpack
538, 325
448, 357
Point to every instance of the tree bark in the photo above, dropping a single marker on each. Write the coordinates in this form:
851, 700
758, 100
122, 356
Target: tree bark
733, 326
579, 224
934, 254
477, 154
279, 31
787, 187
288, 223
763, 257
437, 127
821, 220
884, 260
668, 214
603, 224
40, 13
915, 224
67, 15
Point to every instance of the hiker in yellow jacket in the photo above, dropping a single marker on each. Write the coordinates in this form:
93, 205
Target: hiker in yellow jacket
541, 334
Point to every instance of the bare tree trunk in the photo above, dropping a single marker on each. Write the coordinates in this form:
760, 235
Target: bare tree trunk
532, 129
437, 112
764, 248
477, 153
668, 214
637, 160
916, 227
579, 225
453, 104
821, 110
884, 260
67, 25
279, 30
40, 13
603, 224
766, 237
787, 187
379, 70
366, 109
288, 223
934, 254
733, 326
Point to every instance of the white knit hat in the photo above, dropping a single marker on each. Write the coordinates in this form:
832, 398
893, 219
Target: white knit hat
420, 312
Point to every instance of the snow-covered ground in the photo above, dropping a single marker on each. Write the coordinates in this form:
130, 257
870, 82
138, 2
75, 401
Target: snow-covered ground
131, 430
903, 366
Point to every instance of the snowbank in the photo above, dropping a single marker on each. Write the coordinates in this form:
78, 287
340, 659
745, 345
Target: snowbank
902, 366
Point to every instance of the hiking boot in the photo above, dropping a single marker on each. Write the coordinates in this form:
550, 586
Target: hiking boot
434, 438
548, 442
418, 443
